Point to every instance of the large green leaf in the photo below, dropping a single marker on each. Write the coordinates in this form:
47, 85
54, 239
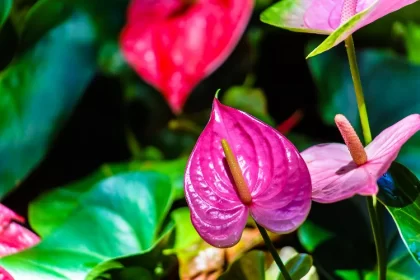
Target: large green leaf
400, 193
5, 8
38, 92
63, 201
117, 216
392, 91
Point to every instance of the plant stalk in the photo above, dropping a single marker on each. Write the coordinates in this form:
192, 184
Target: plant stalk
274, 252
375, 219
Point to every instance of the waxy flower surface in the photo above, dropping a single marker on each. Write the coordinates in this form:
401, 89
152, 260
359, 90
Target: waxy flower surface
338, 171
339, 18
174, 44
241, 166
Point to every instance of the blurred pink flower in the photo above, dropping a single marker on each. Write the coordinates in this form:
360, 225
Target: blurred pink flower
338, 171
277, 182
174, 44
13, 236
340, 18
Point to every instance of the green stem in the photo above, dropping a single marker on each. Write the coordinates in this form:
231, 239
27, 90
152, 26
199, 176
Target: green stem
273, 252
375, 219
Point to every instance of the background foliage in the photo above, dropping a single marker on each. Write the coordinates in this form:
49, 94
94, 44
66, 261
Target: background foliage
95, 157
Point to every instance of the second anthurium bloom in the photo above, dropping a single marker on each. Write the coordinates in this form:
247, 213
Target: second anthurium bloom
337, 18
339, 171
174, 44
241, 166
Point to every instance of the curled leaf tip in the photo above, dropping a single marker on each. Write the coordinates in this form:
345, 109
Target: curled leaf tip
241, 186
217, 93
351, 139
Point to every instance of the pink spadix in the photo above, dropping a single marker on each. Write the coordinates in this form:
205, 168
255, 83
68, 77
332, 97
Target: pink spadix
341, 171
253, 156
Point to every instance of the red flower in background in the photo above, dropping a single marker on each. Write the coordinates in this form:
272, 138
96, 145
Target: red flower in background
174, 44
13, 236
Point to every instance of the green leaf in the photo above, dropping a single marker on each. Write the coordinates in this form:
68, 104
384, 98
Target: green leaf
38, 92
185, 233
248, 267
250, 100
387, 101
401, 265
5, 8
400, 193
117, 216
152, 262
297, 266
311, 235
42, 16
63, 201
411, 35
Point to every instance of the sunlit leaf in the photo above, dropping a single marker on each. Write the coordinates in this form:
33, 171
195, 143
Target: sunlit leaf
400, 193
118, 216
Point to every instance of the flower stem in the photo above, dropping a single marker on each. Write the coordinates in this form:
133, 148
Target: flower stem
273, 252
375, 219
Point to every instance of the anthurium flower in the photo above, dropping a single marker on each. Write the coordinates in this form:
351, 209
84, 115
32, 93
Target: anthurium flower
340, 171
4, 275
241, 166
13, 236
174, 44
337, 18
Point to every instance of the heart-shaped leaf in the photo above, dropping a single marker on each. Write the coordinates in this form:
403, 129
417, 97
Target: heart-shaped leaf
400, 193
114, 217
173, 46
387, 102
38, 91
63, 201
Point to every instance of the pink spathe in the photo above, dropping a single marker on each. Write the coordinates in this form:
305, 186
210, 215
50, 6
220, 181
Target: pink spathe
273, 169
336, 177
328, 15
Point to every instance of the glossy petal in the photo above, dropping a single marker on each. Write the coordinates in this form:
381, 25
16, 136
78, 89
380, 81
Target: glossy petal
325, 17
271, 167
335, 176
13, 236
285, 210
385, 147
174, 47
